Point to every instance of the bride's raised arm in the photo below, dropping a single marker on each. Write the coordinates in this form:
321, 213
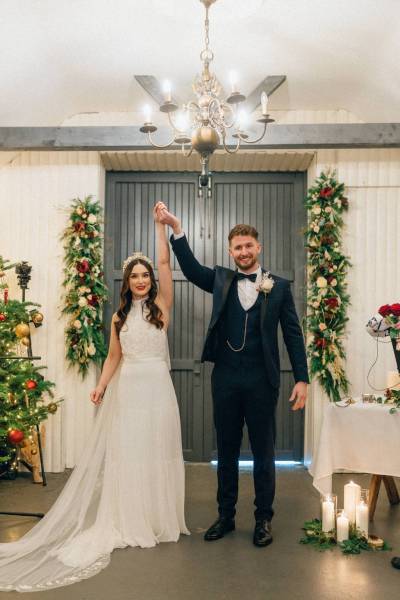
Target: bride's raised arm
163, 263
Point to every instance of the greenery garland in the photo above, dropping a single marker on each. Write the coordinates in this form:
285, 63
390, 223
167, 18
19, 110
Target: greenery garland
356, 543
85, 289
327, 297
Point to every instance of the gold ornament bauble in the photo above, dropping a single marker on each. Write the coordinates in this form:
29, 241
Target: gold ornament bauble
37, 317
22, 330
33, 451
25, 341
52, 408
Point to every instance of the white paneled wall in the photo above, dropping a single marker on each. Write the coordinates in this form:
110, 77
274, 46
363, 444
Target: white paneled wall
36, 189
371, 239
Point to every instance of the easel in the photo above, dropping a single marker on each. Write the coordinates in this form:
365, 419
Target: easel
374, 487
23, 271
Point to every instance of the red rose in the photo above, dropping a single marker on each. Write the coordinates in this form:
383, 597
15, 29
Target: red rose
94, 300
396, 310
79, 226
83, 266
385, 310
326, 192
320, 342
331, 302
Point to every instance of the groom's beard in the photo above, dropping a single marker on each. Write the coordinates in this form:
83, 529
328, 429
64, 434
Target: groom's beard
247, 265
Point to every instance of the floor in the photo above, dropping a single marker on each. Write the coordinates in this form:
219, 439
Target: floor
231, 568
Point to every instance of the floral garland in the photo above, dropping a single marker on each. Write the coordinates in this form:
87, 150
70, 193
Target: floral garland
327, 299
85, 288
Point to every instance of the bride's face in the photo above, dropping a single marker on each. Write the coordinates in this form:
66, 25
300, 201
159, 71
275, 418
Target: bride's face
139, 281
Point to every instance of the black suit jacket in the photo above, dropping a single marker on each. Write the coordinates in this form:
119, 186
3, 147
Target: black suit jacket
277, 307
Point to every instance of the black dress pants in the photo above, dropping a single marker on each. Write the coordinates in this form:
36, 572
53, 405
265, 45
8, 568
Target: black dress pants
243, 394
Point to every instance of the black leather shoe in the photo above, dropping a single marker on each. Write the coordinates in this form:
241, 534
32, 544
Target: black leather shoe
262, 533
396, 562
219, 529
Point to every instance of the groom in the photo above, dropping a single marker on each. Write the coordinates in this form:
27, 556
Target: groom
243, 345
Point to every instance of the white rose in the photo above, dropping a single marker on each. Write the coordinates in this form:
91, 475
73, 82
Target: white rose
315, 304
79, 211
81, 289
321, 282
330, 270
316, 210
91, 350
328, 209
92, 219
95, 233
82, 301
327, 255
316, 229
84, 215
334, 283
322, 326
77, 324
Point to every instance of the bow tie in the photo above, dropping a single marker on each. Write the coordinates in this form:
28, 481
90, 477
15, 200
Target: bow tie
251, 277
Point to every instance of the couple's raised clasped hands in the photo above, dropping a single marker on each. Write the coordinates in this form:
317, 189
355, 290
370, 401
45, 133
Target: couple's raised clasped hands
162, 215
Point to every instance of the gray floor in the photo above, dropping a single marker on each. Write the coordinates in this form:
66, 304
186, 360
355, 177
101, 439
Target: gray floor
231, 568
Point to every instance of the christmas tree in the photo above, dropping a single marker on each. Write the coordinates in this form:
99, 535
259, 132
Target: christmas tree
26, 397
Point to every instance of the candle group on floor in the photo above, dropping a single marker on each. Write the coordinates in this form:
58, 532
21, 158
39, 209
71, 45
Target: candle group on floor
355, 512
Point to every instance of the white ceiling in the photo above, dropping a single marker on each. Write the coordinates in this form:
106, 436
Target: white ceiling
61, 58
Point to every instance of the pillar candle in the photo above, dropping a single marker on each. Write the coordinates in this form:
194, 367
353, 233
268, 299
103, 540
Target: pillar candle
342, 528
362, 518
328, 515
352, 492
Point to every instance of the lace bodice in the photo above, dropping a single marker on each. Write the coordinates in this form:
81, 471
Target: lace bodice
140, 339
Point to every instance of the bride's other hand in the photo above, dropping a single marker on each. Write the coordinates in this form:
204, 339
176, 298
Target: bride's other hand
96, 396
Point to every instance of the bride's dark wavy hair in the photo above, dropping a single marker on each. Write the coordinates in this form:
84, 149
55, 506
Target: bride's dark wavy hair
154, 313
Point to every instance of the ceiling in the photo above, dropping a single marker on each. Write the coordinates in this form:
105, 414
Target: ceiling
64, 58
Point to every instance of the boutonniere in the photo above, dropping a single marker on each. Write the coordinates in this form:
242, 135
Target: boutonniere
266, 284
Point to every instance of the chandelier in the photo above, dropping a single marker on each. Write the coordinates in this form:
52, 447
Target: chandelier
204, 124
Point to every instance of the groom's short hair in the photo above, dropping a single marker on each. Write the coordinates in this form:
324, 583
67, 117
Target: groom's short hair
243, 230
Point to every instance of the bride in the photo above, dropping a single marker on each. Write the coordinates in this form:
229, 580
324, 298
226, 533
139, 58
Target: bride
128, 487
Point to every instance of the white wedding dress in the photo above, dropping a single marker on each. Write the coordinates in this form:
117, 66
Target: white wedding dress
128, 487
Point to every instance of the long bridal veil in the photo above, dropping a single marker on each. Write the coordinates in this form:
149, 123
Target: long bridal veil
70, 543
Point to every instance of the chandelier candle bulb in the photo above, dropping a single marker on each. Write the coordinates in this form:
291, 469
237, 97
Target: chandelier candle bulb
352, 493
167, 90
147, 113
328, 513
264, 103
362, 518
233, 79
342, 528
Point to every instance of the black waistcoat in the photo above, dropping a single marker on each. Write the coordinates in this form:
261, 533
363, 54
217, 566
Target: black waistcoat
232, 328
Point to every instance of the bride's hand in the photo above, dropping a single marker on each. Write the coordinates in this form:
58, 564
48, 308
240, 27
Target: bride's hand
96, 396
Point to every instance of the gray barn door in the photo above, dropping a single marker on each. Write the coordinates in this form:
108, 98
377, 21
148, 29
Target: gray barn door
270, 202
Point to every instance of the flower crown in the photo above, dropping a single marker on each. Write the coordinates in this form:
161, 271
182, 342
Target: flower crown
134, 256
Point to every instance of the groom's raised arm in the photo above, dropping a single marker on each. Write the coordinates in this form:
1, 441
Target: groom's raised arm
196, 273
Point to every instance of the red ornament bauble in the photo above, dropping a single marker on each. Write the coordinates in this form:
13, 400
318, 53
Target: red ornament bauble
2, 317
15, 436
30, 384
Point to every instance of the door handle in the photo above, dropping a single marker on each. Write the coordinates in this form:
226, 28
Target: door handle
197, 372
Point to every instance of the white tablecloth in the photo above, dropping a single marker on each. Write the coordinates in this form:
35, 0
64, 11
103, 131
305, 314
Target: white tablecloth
360, 438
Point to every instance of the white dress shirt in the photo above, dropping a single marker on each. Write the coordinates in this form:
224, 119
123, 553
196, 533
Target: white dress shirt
247, 290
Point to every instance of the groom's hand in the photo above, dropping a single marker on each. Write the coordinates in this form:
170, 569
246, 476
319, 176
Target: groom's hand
299, 395
168, 218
